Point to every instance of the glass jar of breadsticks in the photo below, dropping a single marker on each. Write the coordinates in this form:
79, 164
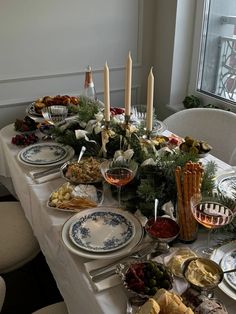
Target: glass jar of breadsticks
188, 182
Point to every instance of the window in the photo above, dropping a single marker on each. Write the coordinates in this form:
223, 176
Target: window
213, 74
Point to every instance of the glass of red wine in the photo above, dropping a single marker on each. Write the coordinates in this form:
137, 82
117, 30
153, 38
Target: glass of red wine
119, 173
212, 213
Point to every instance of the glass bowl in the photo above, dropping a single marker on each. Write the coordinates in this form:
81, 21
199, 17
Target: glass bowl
142, 279
55, 114
164, 229
202, 273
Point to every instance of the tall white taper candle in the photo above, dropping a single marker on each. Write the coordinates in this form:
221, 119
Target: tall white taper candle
128, 85
150, 90
106, 93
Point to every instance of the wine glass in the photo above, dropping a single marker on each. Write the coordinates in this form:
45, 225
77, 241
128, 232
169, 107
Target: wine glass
55, 114
118, 174
212, 214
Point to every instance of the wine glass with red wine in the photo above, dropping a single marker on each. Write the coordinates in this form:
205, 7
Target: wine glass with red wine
212, 214
119, 173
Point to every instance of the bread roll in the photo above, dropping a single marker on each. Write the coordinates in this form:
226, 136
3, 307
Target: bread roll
170, 302
149, 307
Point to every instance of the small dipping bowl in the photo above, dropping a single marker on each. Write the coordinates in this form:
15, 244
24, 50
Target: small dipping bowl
202, 273
163, 229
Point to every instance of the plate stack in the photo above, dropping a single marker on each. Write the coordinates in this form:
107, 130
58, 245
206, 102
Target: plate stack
102, 233
45, 155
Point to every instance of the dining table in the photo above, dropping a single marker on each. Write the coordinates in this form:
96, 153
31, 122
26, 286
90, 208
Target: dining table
69, 269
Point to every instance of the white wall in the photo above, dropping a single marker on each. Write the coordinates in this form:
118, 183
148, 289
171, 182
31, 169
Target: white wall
173, 50
46, 45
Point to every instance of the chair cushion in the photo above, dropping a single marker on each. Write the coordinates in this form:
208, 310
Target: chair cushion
17, 242
57, 308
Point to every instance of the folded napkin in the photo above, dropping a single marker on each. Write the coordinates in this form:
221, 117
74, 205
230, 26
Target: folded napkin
106, 283
45, 177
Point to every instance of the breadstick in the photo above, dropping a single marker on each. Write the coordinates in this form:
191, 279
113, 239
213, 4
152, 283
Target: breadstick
186, 204
181, 217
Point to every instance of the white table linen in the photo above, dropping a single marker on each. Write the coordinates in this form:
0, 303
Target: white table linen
68, 269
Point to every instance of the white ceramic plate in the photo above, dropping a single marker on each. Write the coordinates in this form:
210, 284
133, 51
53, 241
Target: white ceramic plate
217, 256
226, 184
229, 262
69, 155
101, 231
138, 236
43, 153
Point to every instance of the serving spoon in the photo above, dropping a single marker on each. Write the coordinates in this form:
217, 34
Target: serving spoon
83, 149
229, 271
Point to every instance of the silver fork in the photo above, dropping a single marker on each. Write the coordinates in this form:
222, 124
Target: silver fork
104, 272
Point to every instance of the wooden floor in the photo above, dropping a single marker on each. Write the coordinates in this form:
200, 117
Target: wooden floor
31, 287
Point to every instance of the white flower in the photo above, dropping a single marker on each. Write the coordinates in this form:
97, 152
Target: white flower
81, 134
99, 116
121, 155
149, 161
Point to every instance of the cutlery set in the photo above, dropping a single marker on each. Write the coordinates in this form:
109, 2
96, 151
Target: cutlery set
145, 252
46, 172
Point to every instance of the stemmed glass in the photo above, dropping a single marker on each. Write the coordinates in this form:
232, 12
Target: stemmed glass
212, 214
119, 173
55, 114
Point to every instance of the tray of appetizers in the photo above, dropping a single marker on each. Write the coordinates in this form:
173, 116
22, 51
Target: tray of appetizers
35, 108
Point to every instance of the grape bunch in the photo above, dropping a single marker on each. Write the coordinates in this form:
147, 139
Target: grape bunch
24, 139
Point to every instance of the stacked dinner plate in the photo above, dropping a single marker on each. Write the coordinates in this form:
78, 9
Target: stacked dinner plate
225, 256
102, 233
45, 154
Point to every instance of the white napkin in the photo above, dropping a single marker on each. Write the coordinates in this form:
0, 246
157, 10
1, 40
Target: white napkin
106, 283
46, 177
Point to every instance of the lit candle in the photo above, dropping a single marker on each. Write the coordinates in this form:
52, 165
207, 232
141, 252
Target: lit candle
128, 84
106, 93
150, 89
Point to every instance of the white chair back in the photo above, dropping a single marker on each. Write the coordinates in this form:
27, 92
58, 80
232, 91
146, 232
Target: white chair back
2, 292
215, 126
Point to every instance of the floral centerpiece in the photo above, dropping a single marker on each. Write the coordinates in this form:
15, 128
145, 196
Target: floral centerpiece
157, 156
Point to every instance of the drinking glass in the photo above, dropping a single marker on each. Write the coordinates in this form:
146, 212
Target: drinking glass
55, 114
212, 214
118, 174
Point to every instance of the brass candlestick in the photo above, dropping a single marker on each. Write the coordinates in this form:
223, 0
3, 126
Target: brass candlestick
127, 119
107, 125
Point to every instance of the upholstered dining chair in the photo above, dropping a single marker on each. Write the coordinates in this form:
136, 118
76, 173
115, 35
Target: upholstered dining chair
2, 292
17, 242
215, 126
56, 308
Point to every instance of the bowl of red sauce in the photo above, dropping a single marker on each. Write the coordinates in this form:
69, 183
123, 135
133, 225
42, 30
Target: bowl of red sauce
163, 229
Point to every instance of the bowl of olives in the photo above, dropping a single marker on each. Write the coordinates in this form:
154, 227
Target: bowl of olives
194, 146
143, 278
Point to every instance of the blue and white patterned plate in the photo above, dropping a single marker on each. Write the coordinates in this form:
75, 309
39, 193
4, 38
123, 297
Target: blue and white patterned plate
218, 256
229, 262
43, 154
226, 184
101, 231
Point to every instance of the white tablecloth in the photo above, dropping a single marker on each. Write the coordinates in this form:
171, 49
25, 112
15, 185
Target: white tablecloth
67, 268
